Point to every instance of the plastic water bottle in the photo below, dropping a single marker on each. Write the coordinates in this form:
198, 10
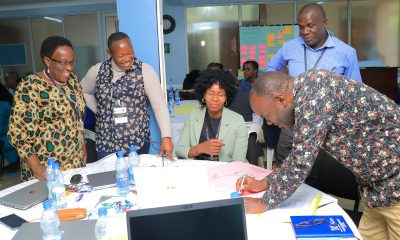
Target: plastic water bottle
171, 83
133, 160
58, 191
100, 229
121, 167
177, 97
49, 179
50, 223
171, 102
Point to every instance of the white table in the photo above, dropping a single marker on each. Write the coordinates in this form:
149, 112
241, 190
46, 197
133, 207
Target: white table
264, 226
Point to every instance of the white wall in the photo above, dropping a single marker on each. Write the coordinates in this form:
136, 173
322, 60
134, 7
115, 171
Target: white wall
176, 64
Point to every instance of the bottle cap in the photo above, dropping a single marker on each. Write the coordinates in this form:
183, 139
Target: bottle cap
132, 148
56, 165
50, 161
120, 153
47, 204
102, 211
235, 195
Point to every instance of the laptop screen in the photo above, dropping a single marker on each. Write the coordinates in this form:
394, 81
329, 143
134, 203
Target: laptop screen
221, 219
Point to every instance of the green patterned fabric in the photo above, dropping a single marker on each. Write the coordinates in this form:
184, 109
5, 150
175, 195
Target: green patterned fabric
43, 123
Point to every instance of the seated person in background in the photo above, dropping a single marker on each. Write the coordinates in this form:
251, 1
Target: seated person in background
213, 132
250, 71
191, 79
11, 81
215, 66
124, 83
47, 116
188, 85
6, 99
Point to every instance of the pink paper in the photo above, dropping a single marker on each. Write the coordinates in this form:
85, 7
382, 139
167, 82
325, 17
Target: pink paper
224, 177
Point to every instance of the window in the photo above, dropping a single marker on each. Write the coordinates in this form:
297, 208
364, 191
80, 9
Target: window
213, 34
375, 32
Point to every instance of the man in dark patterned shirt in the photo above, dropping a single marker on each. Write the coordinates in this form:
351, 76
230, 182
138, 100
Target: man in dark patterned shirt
355, 124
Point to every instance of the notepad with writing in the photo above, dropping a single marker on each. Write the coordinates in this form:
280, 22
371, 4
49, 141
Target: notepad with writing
321, 227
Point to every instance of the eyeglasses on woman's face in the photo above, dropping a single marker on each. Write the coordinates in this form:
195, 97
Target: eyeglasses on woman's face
64, 63
211, 94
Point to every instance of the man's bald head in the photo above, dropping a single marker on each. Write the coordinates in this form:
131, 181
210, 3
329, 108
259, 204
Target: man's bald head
314, 8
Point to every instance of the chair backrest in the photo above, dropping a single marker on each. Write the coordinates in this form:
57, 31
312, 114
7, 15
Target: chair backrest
1, 157
241, 105
335, 179
90, 138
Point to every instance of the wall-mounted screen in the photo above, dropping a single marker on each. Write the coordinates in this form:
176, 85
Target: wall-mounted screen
12, 54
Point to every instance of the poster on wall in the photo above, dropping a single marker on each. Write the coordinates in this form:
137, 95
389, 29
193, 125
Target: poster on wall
260, 43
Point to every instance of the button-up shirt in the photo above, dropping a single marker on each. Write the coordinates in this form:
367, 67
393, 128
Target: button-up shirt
338, 57
355, 124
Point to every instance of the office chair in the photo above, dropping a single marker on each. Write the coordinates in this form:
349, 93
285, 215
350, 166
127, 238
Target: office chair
90, 138
241, 105
2, 158
335, 179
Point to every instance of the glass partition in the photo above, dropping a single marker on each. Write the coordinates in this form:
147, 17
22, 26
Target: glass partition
84, 39
213, 34
43, 27
16, 31
375, 32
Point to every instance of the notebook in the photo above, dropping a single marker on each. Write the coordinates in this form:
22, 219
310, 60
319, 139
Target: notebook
318, 227
26, 197
220, 219
71, 230
102, 180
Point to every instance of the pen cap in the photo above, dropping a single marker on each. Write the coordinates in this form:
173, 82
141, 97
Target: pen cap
235, 195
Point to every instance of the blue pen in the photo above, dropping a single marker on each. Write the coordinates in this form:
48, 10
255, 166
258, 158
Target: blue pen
79, 197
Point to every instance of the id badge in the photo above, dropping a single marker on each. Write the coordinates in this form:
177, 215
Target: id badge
119, 110
120, 115
119, 120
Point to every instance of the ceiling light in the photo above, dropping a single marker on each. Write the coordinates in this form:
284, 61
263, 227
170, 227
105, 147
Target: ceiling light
53, 19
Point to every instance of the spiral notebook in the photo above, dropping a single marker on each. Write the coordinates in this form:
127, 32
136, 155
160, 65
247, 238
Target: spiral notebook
26, 197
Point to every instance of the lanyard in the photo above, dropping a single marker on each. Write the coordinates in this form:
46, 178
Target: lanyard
316, 63
76, 110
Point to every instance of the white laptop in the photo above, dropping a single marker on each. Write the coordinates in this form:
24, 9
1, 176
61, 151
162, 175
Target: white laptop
26, 197
71, 230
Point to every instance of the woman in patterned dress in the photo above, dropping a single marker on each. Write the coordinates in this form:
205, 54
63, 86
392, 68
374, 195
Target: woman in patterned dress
47, 115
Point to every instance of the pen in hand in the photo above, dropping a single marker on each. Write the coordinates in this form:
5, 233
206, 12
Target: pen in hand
241, 184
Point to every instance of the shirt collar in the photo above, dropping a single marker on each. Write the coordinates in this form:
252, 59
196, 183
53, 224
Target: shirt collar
329, 43
115, 67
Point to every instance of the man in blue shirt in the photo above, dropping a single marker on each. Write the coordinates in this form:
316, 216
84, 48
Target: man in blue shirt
315, 48
250, 72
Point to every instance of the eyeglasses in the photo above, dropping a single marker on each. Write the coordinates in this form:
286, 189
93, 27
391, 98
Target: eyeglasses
212, 95
64, 63
310, 223
246, 69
